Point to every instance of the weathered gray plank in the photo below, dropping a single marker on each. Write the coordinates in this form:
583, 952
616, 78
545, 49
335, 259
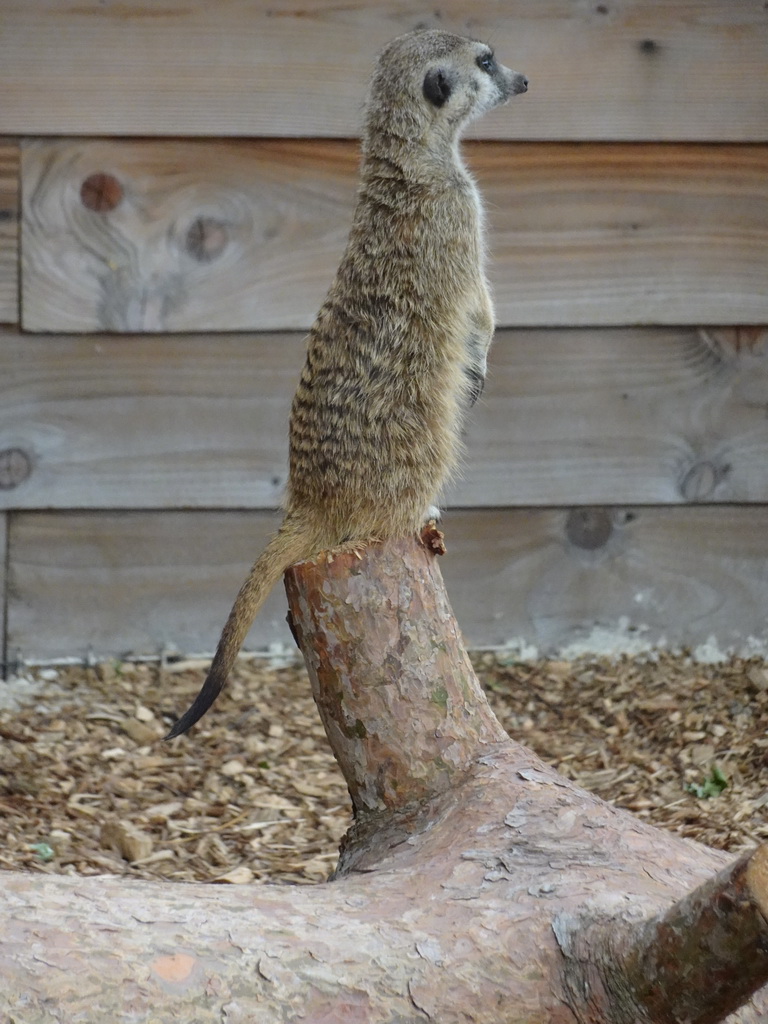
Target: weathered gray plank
627, 69
120, 583
117, 583
143, 422
644, 416
3, 590
669, 576
189, 236
650, 415
9, 231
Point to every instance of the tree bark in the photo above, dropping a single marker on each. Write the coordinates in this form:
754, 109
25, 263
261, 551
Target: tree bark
718, 932
476, 885
698, 961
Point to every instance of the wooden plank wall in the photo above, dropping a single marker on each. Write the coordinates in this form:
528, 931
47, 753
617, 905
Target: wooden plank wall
616, 476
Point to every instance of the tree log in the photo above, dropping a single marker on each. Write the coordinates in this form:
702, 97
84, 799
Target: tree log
476, 884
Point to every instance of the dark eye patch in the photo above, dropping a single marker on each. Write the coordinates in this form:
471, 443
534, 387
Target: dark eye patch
437, 87
486, 62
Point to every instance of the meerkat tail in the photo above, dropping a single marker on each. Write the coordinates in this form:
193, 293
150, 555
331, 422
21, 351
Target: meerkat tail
290, 544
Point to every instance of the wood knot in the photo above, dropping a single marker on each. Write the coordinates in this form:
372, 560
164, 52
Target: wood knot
701, 479
15, 468
589, 528
206, 239
649, 47
101, 192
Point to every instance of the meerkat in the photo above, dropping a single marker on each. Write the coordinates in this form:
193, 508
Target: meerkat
398, 350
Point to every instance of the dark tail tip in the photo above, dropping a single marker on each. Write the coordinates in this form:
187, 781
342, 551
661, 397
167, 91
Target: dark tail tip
209, 691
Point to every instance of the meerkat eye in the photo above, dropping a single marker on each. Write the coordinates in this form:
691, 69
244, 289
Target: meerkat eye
486, 63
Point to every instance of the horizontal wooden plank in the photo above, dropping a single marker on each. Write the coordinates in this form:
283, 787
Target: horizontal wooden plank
3, 590
146, 422
598, 235
132, 582
651, 415
644, 416
667, 576
187, 236
204, 236
124, 583
626, 69
9, 231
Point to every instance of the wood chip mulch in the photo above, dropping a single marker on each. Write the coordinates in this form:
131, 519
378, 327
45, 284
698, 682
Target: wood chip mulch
88, 786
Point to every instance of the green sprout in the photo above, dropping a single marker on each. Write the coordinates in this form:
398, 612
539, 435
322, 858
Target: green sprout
713, 785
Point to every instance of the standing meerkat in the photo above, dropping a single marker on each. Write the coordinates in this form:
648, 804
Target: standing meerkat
398, 349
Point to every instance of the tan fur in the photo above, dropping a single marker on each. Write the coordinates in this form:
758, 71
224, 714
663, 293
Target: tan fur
398, 349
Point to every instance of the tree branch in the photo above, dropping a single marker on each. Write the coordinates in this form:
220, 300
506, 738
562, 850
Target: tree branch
401, 704
708, 953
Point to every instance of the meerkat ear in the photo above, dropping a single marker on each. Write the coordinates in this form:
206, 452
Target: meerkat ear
437, 87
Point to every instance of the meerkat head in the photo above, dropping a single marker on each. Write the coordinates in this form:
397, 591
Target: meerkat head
433, 82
